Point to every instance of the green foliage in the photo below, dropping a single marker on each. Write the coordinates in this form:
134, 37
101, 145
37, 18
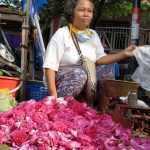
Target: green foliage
111, 9
64, 23
145, 6
117, 9
16, 3
145, 16
55, 8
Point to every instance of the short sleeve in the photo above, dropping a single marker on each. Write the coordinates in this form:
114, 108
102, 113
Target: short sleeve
99, 48
54, 51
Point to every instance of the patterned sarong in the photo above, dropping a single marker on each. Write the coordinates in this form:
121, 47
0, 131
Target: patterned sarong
71, 81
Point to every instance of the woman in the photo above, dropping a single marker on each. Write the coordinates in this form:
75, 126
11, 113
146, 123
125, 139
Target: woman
63, 72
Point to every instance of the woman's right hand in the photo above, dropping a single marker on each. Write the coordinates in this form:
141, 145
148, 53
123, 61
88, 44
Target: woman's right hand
54, 94
128, 52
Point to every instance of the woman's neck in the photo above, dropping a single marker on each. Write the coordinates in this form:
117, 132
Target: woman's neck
79, 28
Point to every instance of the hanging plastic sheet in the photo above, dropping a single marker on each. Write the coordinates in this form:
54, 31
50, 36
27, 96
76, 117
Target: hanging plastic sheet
40, 52
35, 8
142, 73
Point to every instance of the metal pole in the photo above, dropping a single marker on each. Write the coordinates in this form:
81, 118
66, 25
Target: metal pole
39, 32
135, 22
134, 34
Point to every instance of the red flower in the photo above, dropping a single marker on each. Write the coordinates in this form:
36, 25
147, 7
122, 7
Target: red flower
19, 136
18, 115
1, 137
27, 125
40, 117
111, 143
52, 124
42, 146
70, 144
60, 126
85, 139
106, 122
43, 127
47, 109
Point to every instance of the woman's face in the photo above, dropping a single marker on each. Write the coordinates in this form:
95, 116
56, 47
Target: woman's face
83, 14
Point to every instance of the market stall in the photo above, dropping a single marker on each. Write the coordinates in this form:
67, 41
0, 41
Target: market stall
15, 26
42, 122
11, 26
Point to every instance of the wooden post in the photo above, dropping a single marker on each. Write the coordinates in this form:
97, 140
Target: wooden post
24, 53
54, 25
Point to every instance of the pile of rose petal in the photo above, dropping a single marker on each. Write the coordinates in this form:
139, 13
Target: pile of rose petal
64, 124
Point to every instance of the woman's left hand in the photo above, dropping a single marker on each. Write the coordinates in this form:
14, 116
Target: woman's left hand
128, 52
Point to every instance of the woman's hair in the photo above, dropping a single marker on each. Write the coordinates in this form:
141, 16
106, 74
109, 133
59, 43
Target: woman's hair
68, 10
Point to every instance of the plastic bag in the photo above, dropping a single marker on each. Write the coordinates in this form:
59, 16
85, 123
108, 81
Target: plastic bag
142, 73
139, 102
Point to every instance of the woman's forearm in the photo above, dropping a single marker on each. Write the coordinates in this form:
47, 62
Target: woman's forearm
50, 80
108, 59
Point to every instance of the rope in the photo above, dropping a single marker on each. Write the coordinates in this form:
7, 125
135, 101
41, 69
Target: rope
17, 88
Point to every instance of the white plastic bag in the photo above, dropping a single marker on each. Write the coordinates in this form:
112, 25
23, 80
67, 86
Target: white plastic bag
4, 53
142, 73
139, 102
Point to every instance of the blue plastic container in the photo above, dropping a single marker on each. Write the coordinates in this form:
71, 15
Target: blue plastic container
36, 90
